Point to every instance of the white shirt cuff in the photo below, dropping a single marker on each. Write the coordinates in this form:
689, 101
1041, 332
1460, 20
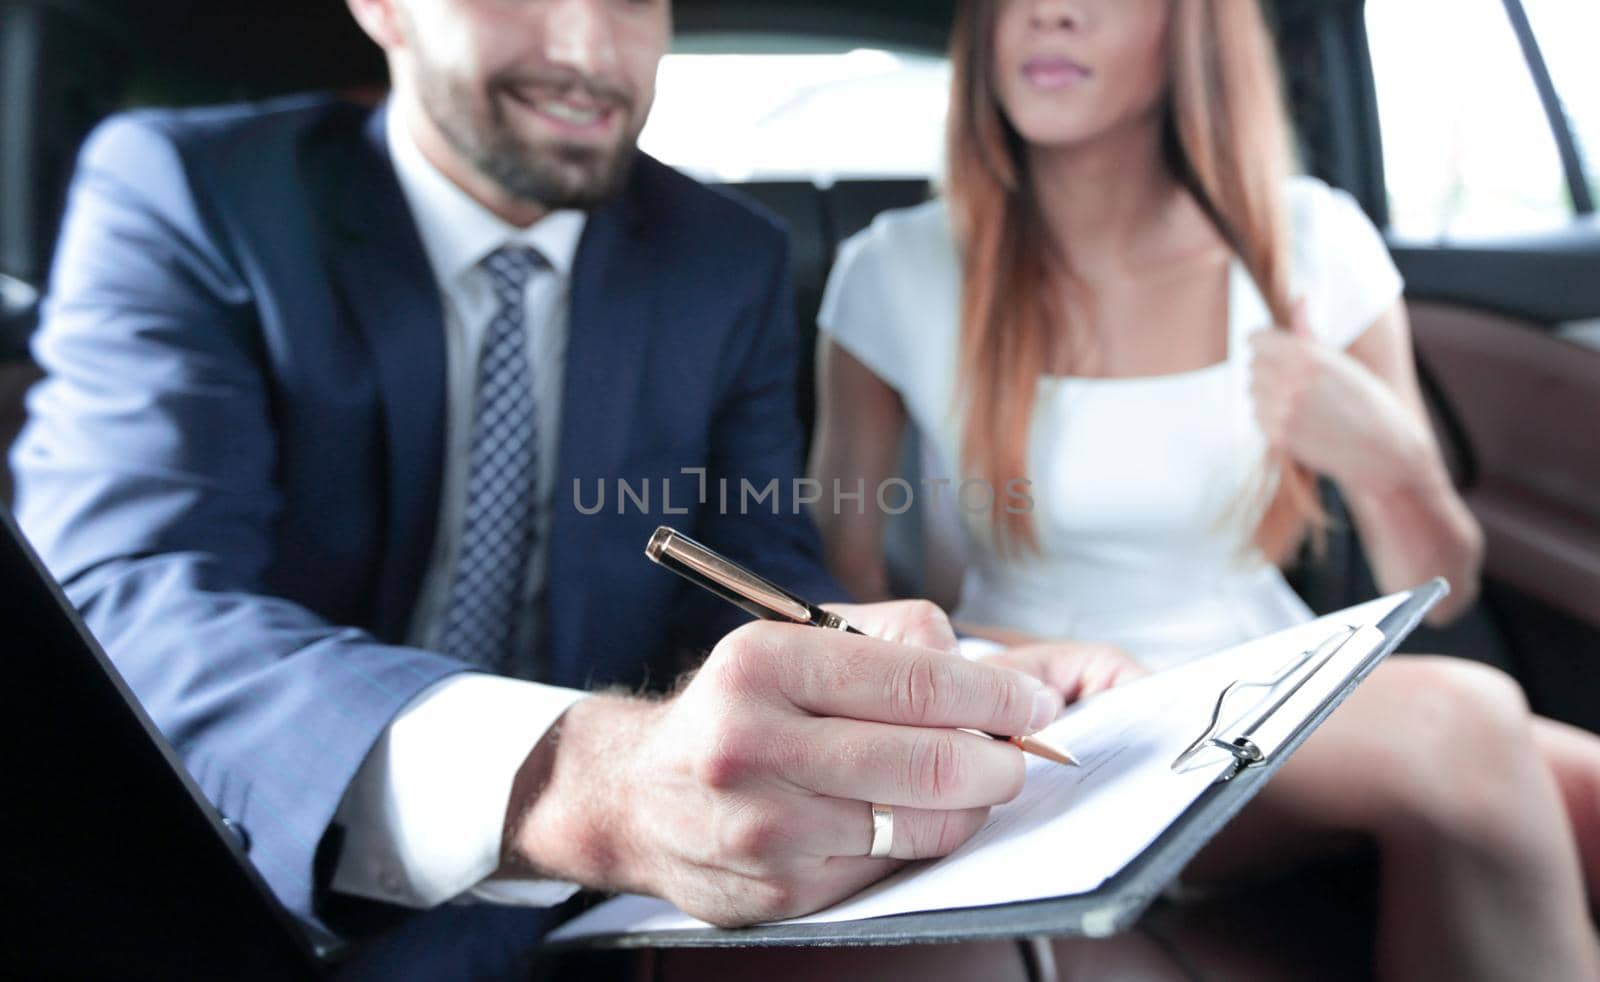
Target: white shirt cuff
424, 816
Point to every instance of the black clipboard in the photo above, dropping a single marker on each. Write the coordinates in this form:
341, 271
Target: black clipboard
1111, 908
121, 867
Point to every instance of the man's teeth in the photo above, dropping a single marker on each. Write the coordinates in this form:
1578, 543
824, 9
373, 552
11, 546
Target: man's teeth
570, 114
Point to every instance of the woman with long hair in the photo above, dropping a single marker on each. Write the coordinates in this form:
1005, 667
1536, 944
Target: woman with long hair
1125, 299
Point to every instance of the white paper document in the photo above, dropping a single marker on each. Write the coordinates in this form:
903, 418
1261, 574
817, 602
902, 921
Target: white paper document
1071, 828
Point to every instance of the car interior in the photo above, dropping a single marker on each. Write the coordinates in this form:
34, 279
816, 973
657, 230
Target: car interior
1513, 392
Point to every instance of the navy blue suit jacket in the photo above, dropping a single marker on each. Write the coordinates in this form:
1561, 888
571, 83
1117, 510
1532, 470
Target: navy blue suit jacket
234, 465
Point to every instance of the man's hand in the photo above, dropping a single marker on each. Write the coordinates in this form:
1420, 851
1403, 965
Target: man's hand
745, 797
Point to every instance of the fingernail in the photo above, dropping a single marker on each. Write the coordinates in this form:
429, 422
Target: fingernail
1044, 710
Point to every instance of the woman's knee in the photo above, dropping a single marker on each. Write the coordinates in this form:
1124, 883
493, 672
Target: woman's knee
1460, 750
1481, 693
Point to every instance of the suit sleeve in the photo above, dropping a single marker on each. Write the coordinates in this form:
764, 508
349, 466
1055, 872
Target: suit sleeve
756, 438
146, 480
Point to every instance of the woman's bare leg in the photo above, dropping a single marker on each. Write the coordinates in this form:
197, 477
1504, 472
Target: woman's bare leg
1573, 756
1434, 760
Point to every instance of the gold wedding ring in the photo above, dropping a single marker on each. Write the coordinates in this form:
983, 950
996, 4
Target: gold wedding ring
882, 832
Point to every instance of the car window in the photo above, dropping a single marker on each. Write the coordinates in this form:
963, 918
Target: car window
1467, 147
821, 115
1567, 32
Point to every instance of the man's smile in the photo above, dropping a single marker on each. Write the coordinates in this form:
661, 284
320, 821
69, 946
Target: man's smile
569, 113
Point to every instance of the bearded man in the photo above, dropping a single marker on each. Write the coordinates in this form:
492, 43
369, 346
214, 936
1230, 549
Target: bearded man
325, 388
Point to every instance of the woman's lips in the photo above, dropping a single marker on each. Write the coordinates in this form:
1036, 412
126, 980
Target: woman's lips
1052, 72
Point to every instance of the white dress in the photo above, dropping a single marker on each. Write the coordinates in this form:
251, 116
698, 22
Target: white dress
1139, 485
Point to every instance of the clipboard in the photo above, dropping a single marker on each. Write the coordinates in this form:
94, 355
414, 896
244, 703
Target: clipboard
1260, 739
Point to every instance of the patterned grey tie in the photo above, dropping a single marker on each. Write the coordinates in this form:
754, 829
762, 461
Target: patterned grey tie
497, 529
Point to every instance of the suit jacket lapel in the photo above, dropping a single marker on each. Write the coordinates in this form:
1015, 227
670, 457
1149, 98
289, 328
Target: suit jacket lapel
613, 316
379, 267
609, 326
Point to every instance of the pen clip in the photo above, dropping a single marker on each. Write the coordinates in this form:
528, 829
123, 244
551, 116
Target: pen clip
758, 596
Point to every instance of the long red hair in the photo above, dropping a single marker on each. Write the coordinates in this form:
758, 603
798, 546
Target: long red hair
1227, 139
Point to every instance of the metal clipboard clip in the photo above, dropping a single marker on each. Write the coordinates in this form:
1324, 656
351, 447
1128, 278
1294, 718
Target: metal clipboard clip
1254, 736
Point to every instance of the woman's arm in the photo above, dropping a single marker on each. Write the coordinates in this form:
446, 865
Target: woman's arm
1414, 525
1358, 417
859, 423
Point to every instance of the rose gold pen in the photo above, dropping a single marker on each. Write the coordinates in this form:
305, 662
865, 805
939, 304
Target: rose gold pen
764, 599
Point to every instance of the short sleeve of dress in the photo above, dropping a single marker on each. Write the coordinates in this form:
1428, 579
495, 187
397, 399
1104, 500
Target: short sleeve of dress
855, 308
1346, 274
891, 295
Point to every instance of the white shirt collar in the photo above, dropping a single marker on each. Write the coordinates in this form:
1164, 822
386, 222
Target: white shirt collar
456, 231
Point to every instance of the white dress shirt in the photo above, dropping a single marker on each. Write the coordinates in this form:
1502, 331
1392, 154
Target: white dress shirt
423, 818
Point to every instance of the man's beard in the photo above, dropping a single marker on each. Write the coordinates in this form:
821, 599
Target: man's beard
553, 175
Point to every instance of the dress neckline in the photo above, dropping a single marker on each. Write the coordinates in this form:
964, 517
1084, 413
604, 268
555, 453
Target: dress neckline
1235, 271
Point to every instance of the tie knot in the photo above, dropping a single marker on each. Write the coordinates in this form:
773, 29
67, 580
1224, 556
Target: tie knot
509, 268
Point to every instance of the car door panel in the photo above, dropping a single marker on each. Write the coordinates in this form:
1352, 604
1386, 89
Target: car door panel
1527, 401
1523, 402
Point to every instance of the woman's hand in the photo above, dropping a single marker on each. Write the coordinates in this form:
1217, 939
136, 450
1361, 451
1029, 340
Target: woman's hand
1332, 413
1073, 669
1357, 416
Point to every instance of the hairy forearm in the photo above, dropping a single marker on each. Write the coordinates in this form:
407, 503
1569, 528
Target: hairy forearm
569, 807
